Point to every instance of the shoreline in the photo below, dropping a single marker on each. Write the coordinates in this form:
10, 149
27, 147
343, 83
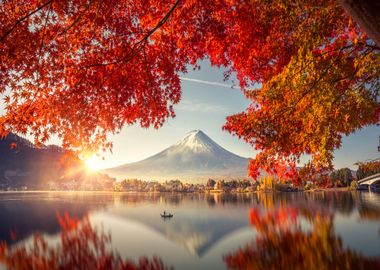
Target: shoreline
211, 192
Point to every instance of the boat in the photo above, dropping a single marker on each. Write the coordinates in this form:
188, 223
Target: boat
166, 215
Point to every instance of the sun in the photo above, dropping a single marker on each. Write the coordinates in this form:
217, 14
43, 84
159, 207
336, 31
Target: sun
92, 163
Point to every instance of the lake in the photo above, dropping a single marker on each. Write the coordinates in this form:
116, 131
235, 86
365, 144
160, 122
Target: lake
319, 230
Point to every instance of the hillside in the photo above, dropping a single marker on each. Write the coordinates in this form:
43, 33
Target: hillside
23, 164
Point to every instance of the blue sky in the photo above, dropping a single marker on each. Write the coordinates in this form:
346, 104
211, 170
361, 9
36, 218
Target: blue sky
204, 106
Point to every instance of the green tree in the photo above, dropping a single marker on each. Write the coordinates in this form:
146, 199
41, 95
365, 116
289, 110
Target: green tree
210, 182
344, 175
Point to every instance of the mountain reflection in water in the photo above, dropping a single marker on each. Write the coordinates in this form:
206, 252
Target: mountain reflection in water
323, 230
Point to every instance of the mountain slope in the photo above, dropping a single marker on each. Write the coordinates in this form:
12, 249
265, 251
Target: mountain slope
195, 157
21, 163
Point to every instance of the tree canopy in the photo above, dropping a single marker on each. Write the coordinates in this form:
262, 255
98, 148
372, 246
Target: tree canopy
82, 69
344, 175
369, 168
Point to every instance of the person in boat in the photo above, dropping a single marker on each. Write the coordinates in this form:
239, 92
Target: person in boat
166, 214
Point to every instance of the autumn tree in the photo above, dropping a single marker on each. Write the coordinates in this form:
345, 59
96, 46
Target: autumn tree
366, 13
81, 69
319, 82
369, 168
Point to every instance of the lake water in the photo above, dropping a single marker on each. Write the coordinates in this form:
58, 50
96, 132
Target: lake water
320, 230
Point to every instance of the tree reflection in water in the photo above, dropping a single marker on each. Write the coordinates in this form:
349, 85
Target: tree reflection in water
282, 243
82, 247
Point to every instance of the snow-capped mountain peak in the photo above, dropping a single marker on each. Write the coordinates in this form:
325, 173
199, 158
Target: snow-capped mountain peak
195, 156
196, 141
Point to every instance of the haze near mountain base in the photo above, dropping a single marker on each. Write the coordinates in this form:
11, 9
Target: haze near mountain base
195, 158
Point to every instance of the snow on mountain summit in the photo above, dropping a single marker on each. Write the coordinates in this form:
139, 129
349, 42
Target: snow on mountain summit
195, 156
197, 141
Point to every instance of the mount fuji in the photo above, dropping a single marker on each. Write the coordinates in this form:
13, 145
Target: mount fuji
194, 157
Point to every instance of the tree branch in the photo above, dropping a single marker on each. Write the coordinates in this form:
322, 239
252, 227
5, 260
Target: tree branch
24, 18
78, 18
366, 14
136, 48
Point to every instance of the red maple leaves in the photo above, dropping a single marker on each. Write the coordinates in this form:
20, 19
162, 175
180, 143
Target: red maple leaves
83, 69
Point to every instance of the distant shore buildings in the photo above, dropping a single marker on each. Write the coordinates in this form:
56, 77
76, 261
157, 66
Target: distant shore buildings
178, 186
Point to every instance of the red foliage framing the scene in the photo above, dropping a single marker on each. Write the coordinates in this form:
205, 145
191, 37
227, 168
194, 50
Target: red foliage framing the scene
81, 69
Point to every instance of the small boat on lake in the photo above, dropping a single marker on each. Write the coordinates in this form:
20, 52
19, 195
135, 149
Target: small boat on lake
166, 215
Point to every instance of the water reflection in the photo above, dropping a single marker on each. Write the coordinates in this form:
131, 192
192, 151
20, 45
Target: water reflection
22, 216
183, 198
81, 246
210, 231
284, 243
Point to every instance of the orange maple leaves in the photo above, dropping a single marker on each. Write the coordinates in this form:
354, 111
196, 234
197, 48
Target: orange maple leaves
324, 89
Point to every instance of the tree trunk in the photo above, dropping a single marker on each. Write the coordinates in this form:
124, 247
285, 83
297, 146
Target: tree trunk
367, 14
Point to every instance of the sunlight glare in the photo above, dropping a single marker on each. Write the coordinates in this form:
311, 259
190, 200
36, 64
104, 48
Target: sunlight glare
93, 163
